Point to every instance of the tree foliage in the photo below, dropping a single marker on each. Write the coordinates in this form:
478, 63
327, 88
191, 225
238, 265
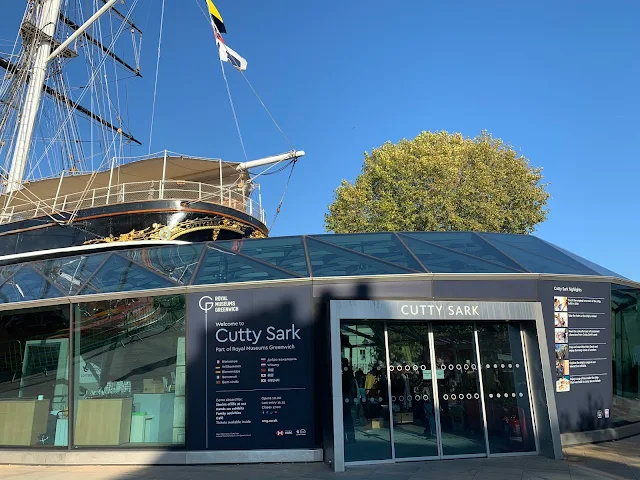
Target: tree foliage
441, 182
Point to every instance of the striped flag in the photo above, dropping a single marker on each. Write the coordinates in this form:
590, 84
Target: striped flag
216, 18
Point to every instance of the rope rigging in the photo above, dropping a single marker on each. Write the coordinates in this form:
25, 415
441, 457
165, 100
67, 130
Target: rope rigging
265, 172
155, 87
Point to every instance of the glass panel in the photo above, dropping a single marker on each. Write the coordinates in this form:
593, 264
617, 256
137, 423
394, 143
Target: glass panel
219, 266
535, 255
177, 263
285, 252
625, 319
70, 273
385, 246
329, 261
458, 390
593, 266
121, 275
129, 365
440, 260
34, 377
365, 392
469, 243
8, 270
506, 395
414, 422
26, 285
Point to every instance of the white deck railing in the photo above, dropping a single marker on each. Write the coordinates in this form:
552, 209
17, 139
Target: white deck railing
133, 192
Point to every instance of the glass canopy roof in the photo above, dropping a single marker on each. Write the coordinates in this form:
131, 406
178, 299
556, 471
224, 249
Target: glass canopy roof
288, 257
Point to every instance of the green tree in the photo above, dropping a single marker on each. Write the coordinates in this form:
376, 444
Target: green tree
441, 182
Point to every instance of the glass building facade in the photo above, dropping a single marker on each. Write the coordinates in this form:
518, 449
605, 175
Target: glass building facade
625, 325
93, 346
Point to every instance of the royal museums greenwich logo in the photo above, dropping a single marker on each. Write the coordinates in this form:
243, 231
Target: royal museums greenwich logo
219, 304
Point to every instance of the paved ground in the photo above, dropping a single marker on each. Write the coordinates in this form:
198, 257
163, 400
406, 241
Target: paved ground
613, 460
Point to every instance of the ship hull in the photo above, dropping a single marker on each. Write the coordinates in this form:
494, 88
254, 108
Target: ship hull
147, 220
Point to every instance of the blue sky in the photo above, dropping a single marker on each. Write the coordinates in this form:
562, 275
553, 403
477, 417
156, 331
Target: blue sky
558, 80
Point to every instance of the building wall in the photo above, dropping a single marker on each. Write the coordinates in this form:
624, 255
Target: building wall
131, 352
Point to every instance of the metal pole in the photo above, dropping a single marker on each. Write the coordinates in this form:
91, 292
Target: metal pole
485, 428
435, 393
260, 200
269, 160
113, 162
47, 25
164, 173
388, 362
71, 387
81, 30
55, 200
221, 194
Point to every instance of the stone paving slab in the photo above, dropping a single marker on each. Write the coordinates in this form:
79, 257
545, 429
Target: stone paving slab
613, 460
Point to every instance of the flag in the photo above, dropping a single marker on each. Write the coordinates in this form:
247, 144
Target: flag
227, 54
216, 18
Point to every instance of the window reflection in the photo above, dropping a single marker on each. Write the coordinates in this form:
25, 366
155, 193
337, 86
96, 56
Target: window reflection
34, 377
414, 421
506, 394
625, 318
458, 390
130, 372
365, 393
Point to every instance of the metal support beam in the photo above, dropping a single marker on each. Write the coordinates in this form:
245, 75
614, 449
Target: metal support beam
81, 29
123, 17
293, 155
90, 39
13, 68
164, 175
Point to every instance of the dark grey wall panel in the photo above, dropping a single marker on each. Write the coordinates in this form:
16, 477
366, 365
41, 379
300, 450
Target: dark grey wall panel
486, 289
251, 354
538, 395
579, 337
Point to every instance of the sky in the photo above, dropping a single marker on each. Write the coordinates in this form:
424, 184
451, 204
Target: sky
557, 80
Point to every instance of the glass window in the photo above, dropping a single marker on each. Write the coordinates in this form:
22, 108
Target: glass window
385, 246
412, 401
129, 364
365, 392
535, 255
177, 263
506, 394
442, 260
461, 420
469, 243
26, 285
329, 260
69, 273
7, 270
625, 319
284, 252
120, 275
221, 266
34, 377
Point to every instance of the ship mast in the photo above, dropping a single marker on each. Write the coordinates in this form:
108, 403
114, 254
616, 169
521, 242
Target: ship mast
45, 43
47, 22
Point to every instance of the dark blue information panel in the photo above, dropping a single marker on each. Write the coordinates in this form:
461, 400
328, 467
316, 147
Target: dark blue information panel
258, 380
578, 324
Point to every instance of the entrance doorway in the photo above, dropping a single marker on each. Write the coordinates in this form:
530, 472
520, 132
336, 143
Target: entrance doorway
431, 390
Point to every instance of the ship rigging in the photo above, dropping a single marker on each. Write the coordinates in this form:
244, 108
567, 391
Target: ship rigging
65, 177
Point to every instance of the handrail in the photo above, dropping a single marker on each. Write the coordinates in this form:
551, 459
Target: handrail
135, 192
